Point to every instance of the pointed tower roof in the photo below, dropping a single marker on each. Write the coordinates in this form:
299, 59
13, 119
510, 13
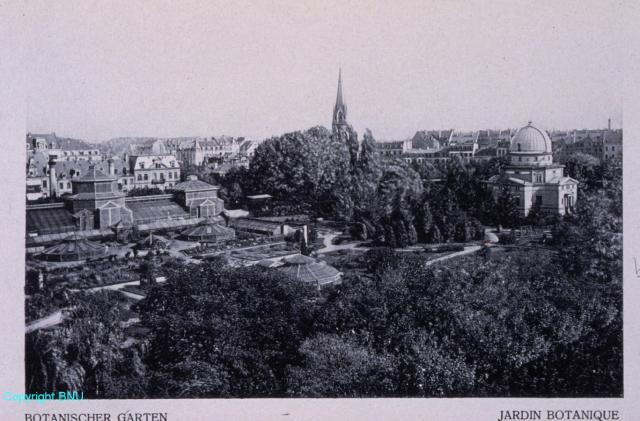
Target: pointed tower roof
340, 109
339, 100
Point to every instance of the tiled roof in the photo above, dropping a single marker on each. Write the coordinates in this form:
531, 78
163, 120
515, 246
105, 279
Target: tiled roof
193, 185
95, 174
64, 168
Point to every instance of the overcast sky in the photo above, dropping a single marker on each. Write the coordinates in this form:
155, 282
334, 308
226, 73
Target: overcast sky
152, 68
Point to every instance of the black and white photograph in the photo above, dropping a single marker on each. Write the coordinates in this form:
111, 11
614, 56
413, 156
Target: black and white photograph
342, 199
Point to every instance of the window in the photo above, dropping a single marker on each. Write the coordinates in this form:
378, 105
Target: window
142, 165
44, 183
519, 148
139, 177
170, 175
103, 188
538, 178
146, 177
68, 184
125, 181
175, 174
538, 200
519, 159
61, 185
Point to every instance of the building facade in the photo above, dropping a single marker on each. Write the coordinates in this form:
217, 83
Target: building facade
154, 171
215, 150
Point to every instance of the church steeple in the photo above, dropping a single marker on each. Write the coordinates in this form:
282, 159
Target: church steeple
340, 109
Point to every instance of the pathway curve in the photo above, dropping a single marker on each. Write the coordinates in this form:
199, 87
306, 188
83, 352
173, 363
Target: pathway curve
467, 250
47, 321
327, 239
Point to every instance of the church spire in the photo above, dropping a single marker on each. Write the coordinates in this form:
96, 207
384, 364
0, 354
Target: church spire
340, 109
339, 101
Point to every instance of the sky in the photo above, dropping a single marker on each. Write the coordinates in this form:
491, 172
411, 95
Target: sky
98, 70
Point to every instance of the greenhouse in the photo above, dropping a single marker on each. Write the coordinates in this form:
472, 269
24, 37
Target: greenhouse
73, 248
208, 233
308, 269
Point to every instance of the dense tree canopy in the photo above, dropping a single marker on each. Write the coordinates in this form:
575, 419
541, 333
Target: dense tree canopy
242, 326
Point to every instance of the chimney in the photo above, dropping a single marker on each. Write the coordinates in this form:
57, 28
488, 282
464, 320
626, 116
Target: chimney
305, 236
112, 167
609, 124
53, 181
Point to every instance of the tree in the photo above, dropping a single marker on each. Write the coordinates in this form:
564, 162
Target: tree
506, 207
582, 167
333, 366
244, 324
424, 221
86, 355
304, 171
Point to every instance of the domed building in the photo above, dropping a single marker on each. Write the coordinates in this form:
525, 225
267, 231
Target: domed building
208, 232
309, 270
73, 248
533, 178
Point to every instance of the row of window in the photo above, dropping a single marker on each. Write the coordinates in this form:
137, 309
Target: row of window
145, 177
535, 158
157, 165
93, 152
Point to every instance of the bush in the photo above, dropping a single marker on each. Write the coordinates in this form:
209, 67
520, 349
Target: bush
507, 237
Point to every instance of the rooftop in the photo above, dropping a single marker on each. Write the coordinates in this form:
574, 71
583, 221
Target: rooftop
530, 139
49, 221
193, 184
156, 209
307, 269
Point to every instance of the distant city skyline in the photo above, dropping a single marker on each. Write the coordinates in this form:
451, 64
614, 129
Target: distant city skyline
100, 71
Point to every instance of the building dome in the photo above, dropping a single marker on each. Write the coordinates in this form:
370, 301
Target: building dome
74, 247
309, 270
531, 140
208, 232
